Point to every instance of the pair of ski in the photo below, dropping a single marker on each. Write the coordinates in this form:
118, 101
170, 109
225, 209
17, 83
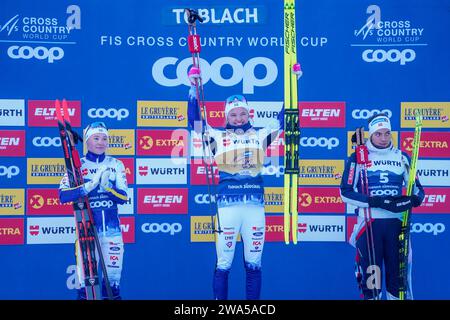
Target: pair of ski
87, 236
362, 159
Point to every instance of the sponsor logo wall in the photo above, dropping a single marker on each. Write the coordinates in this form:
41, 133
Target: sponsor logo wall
147, 116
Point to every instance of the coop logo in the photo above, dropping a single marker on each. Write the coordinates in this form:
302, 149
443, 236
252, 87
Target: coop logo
46, 142
358, 114
204, 198
12, 112
271, 170
433, 228
170, 228
393, 55
324, 200
40, 53
162, 142
244, 73
12, 201
46, 201
162, 201
12, 143
9, 172
432, 144
321, 142
42, 113
51, 230
11, 231
106, 204
322, 114
162, 114
111, 113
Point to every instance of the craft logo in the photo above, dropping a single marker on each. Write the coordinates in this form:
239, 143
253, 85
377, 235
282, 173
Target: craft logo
45, 170
121, 142
351, 147
12, 112
200, 172
436, 200
434, 114
129, 169
12, 143
434, 172
432, 144
162, 114
42, 113
51, 230
273, 199
322, 114
11, 231
202, 229
46, 202
172, 143
127, 226
12, 201
162, 200
161, 171
320, 200
321, 172
128, 207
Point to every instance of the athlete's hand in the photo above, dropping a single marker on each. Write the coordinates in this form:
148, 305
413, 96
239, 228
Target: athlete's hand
104, 181
397, 204
95, 181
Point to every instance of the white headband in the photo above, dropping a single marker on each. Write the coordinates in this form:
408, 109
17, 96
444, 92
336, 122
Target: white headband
90, 131
381, 122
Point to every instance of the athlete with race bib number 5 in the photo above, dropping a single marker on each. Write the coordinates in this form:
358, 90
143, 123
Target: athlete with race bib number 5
106, 187
387, 171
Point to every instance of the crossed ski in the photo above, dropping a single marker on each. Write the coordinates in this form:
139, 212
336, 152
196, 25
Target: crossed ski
87, 236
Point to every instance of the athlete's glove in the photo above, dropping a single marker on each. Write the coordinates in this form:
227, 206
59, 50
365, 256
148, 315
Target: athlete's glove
194, 73
91, 185
104, 181
393, 204
415, 201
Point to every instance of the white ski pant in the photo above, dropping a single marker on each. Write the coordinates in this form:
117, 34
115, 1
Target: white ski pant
248, 221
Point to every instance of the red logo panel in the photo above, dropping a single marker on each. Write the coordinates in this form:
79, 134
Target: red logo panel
11, 231
162, 143
42, 113
432, 144
12, 143
46, 202
162, 200
276, 148
320, 200
436, 200
198, 172
127, 225
322, 114
215, 114
274, 229
129, 169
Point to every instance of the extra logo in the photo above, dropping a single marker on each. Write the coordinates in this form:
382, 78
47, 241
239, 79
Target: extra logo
244, 73
170, 228
40, 53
